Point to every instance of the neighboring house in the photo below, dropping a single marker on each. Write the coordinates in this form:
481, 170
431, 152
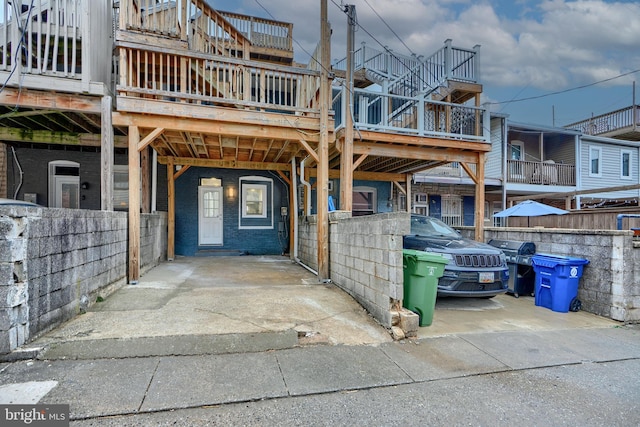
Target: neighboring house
202, 113
533, 160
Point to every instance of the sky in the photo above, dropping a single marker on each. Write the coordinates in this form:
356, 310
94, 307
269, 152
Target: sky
547, 63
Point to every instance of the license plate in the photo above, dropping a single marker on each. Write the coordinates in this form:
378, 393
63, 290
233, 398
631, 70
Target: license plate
485, 277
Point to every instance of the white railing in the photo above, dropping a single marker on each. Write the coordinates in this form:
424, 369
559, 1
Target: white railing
410, 75
620, 119
412, 115
61, 38
540, 173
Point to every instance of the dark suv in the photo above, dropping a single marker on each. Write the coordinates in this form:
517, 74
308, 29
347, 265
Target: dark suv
474, 269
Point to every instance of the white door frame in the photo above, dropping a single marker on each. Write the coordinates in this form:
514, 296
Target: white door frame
214, 235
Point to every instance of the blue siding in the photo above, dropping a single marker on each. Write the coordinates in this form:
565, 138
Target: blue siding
251, 241
383, 190
468, 210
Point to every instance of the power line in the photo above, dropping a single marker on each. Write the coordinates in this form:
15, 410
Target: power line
389, 27
565, 90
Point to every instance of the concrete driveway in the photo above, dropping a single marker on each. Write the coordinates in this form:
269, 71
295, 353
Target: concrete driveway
211, 305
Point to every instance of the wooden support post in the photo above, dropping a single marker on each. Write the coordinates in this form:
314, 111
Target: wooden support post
323, 149
106, 156
479, 217
134, 205
171, 214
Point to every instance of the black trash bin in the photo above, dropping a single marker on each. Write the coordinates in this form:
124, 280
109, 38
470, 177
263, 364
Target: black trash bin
522, 277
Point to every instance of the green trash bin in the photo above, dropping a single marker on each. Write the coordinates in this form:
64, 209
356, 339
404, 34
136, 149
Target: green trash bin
421, 273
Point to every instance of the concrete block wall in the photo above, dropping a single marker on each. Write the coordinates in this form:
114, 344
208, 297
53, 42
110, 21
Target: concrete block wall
55, 262
610, 283
365, 258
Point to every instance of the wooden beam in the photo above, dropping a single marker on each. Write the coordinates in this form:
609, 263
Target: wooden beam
106, 156
134, 205
211, 127
400, 188
479, 213
415, 140
189, 117
284, 177
150, 138
469, 172
224, 164
171, 211
359, 161
57, 138
417, 153
26, 98
179, 173
309, 150
362, 176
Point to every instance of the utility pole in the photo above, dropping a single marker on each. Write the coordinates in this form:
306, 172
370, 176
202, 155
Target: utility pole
323, 147
346, 157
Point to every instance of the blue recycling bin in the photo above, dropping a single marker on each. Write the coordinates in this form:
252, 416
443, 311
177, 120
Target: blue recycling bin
557, 279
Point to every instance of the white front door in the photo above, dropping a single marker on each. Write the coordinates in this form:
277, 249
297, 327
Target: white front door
209, 215
67, 189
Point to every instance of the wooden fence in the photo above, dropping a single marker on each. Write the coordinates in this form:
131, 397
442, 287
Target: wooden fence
586, 219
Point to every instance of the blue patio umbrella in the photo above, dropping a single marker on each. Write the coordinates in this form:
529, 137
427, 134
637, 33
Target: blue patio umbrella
530, 208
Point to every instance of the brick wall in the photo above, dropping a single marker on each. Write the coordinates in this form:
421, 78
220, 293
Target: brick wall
365, 257
610, 283
55, 262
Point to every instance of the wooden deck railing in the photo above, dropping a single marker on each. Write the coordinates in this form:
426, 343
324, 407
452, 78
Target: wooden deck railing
412, 115
540, 173
263, 32
624, 118
205, 29
199, 78
56, 38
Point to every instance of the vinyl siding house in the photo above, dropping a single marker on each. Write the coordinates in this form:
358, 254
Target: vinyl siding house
529, 160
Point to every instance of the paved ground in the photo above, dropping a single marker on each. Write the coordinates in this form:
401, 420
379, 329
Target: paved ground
150, 355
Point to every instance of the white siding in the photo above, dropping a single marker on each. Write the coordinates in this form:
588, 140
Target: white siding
611, 169
493, 167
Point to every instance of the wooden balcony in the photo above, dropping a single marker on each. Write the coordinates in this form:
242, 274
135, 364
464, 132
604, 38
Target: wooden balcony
540, 173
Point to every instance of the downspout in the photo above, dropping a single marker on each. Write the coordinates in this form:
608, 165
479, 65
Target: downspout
307, 208
15, 159
154, 181
620, 216
294, 212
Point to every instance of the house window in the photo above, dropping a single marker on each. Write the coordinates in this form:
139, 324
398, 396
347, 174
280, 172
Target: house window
625, 164
595, 161
254, 201
211, 182
364, 201
120, 187
452, 209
